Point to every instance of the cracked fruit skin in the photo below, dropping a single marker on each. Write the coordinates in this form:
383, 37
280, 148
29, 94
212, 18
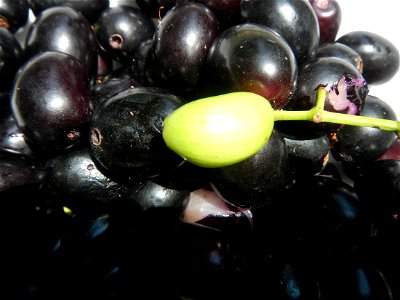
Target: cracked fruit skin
220, 130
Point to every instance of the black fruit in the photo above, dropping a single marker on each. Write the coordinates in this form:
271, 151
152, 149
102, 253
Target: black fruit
51, 102
126, 131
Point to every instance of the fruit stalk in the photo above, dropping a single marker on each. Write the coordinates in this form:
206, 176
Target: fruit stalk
318, 114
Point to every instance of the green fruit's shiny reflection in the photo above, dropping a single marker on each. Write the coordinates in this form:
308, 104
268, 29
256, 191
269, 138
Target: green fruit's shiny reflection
221, 130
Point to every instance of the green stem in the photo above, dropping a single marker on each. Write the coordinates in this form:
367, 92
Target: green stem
317, 114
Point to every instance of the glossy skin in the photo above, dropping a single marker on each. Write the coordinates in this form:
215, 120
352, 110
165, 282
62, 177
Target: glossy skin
110, 87
328, 71
13, 14
381, 58
365, 144
91, 9
126, 133
269, 175
227, 12
11, 58
291, 19
66, 30
317, 239
75, 180
121, 30
51, 103
181, 43
341, 51
160, 205
347, 92
252, 58
329, 16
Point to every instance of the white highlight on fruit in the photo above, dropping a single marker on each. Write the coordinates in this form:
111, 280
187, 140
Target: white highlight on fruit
287, 12
221, 123
269, 69
191, 39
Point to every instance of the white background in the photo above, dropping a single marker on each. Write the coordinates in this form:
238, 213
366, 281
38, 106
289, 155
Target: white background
381, 17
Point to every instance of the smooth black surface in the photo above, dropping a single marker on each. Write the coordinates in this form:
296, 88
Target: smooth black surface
120, 30
91, 9
252, 58
66, 30
51, 103
295, 21
381, 58
355, 144
252, 182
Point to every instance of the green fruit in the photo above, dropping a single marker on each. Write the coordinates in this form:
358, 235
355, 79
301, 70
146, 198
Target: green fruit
221, 130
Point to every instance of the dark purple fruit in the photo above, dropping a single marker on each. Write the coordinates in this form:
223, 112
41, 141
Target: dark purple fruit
74, 179
295, 21
341, 51
346, 87
126, 131
180, 45
380, 57
227, 12
109, 87
329, 15
65, 30
267, 174
252, 58
91, 9
51, 102
120, 30
161, 205
356, 144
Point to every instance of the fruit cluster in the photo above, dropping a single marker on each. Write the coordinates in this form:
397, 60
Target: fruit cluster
195, 149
